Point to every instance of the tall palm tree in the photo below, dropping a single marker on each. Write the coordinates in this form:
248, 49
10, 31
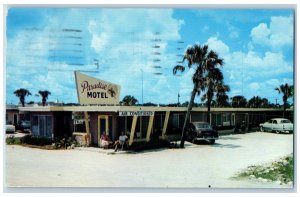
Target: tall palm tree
129, 100
22, 93
44, 94
199, 57
287, 92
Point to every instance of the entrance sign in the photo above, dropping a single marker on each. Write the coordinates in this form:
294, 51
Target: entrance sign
136, 113
91, 90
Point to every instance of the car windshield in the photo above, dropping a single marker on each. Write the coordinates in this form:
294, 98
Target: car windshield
285, 121
203, 126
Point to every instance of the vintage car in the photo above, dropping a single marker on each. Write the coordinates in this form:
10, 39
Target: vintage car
24, 126
9, 128
201, 131
278, 125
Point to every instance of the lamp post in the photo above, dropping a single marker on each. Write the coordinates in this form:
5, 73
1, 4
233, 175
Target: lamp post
142, 86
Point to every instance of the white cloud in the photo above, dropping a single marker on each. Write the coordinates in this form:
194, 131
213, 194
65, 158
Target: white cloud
254, 86
233, 31
122, 40
260, 34
277, 34
218, 45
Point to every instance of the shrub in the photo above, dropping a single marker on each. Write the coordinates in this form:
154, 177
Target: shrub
13, 140
139, 146
64, 142
36, 140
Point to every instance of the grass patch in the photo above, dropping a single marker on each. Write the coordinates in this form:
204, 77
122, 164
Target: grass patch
280, 171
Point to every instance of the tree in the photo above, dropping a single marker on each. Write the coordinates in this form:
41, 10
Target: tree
287, 92
213, 83
44, 94
129, 100
22, 93
222, 97
199, 57
238, 101
258, 102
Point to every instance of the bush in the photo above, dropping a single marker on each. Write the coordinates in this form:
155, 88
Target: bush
65, 142
13, 140
36, 140
44, 142
139, 146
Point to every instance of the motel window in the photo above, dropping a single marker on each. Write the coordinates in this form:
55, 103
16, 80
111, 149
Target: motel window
178, 120
35, 125
79, 126
159, 120
124, 124
42, 125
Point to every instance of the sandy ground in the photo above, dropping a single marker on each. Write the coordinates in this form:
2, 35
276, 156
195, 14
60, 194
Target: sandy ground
196, 166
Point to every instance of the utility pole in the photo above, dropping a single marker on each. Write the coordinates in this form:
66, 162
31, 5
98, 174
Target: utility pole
178, 99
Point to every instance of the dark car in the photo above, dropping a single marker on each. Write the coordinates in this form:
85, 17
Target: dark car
24, 126
201, 131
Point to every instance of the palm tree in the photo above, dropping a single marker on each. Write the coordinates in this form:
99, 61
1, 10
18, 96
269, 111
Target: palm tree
129, 100
239, 101
287, 92
21, 93
202, 59
254, 102
257, 102
221, 95
213, 83
44, 94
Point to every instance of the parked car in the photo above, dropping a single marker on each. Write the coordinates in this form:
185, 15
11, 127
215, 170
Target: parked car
278, 125
24, 126
201, 131
10, 128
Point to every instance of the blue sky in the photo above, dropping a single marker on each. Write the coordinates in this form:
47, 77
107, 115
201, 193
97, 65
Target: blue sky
44, 45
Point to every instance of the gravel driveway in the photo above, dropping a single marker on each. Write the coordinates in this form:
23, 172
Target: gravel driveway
196, 166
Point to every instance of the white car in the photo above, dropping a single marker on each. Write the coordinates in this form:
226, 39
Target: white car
10, 128
279, 125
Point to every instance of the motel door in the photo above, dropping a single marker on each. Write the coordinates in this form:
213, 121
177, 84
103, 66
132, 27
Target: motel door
102, 126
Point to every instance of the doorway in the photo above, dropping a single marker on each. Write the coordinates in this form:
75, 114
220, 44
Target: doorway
103, 126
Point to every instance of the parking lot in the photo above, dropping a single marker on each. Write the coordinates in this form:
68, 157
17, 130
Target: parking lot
197, 166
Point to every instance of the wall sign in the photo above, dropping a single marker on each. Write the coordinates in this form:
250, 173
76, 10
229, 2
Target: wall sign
91, 90
136, 113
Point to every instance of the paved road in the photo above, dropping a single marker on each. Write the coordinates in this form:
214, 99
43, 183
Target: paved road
196, 166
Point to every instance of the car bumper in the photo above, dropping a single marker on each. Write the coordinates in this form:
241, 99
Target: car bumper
206, 138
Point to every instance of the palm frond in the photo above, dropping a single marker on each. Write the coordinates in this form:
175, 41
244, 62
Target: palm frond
178, 68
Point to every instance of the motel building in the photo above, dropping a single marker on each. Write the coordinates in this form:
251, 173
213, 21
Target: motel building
99, 112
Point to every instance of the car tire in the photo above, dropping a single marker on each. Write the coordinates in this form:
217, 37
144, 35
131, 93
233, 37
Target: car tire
277, 131
262, 129
212, 141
